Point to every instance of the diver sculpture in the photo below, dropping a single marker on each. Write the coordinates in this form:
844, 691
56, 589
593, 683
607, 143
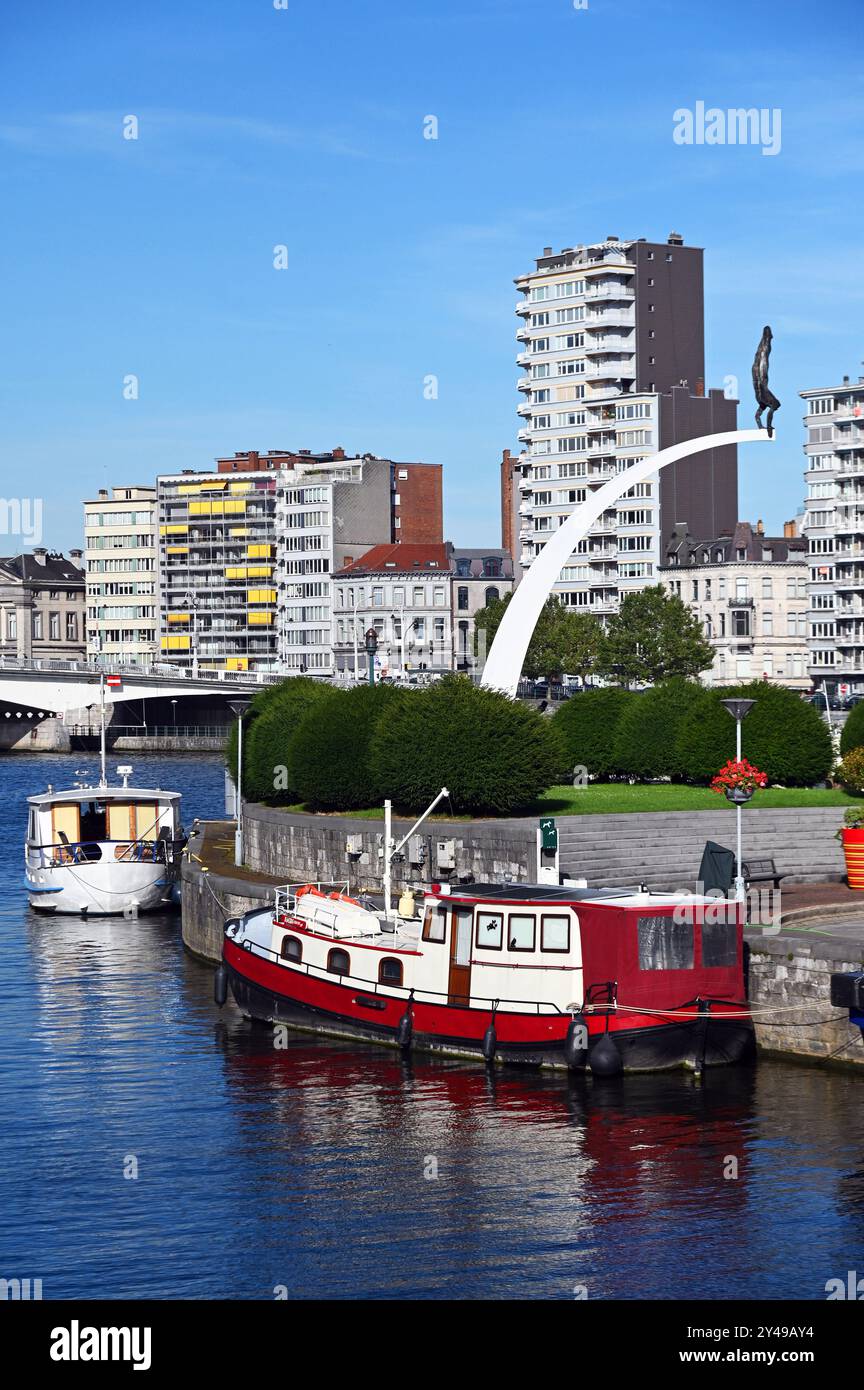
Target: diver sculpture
765, 398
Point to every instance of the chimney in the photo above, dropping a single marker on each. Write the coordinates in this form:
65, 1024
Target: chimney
547, 250
76, 555
699, 389
675, 239
760, 529
103, 494
40, 554
790, 530
338, 452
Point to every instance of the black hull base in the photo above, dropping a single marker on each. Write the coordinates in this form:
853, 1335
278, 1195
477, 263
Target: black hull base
667, 1047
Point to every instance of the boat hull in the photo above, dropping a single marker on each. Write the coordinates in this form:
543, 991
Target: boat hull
100, 889
275, 994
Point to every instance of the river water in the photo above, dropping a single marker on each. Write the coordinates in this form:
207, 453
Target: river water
153, 1146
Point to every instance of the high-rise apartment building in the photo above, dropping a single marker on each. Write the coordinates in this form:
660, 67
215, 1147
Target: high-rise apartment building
613, 369
120, 560
331, 510
247, 552
217, 561
834, 530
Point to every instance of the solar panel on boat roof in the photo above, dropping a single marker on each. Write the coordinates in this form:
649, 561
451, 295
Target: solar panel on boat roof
534, 892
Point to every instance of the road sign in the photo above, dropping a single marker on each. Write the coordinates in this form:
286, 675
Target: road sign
548, 833
114, 681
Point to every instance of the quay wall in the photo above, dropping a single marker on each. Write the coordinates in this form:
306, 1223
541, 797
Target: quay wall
662, 849
789, 989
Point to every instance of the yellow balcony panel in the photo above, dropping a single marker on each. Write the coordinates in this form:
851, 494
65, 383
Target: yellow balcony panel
178, 617
234, 507
259, 552
240, 531
259, 571
200, 508
177, 550
239, 487
237, 663
260, 619
187, 489
235, 572
176, 644
214, 485
174, 530
262, 595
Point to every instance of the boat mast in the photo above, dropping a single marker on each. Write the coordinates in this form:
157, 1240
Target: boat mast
391, 849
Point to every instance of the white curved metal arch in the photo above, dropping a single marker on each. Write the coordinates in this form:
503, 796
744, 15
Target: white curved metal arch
507, 654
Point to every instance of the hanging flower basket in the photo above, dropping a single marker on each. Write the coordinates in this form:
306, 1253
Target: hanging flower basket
737, 781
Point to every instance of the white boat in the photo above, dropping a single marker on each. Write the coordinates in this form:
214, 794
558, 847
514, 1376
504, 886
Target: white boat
107, 850
100, 849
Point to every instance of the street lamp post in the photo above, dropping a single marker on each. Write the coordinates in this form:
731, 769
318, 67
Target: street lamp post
239, 708
739, 709
371, 649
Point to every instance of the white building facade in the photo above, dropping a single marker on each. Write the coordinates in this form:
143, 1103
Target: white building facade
121, 565
834, 531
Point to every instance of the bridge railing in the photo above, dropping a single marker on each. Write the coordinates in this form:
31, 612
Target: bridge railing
166, 731
162, 671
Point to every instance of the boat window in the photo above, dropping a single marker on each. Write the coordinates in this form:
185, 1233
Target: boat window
338, 963
665, 944
521, 929
719, 943
390, 971
434, 924
292, 948
490, 931
555, 933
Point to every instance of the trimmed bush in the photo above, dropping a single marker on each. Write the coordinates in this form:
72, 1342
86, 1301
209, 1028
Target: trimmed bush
852, 735
850, 773
647, 733
782, 735
495, 755
588, 725
329, 763
268, 728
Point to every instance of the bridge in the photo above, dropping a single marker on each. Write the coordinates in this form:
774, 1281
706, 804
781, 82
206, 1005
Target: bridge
45, 688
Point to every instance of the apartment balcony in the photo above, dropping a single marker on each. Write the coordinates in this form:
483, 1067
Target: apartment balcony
611, 370
525, 484
523, 359
524, 306
609, 291
845, 554
605, 422
609, 344
523, 333
524, 383
849, 581
525, 436
610, 318
524, 409
739, 602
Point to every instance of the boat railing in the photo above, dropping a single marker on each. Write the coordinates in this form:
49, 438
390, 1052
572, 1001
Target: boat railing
98, 851
401, 992
326, 895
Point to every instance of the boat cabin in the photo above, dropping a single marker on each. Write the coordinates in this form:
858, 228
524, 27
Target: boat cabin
88, 824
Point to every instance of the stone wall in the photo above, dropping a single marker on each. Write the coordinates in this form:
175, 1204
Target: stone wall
790, 981
662, 849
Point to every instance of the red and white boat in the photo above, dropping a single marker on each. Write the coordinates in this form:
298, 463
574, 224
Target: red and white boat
544, 975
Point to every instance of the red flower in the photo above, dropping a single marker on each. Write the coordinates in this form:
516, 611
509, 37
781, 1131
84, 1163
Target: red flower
739, 775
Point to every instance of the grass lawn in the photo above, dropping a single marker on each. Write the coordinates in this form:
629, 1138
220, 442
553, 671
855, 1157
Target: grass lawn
608, 797
617, 797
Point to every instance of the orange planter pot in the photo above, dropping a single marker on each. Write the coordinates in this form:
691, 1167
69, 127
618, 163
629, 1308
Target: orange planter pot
853, 849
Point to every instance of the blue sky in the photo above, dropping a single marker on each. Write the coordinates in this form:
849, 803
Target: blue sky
304, 127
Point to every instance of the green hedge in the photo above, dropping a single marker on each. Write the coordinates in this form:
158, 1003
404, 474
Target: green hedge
587, 725
329, 762
494, 755
268, 728
852, 735
646, 735
782, 735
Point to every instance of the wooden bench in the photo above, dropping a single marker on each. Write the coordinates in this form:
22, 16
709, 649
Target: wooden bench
760, 871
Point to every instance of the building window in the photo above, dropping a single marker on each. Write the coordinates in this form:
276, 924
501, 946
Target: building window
54, 627
462, 598
492, 596
390, 971
71, 627
338, 962
292, 948
491, 567
768, 623
767, 588
741, 623
37, 627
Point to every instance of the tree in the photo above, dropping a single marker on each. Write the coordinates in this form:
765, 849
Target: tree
588, 724
561, 641
646, 735
653, 637
495, 755
782, 735
329, 763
